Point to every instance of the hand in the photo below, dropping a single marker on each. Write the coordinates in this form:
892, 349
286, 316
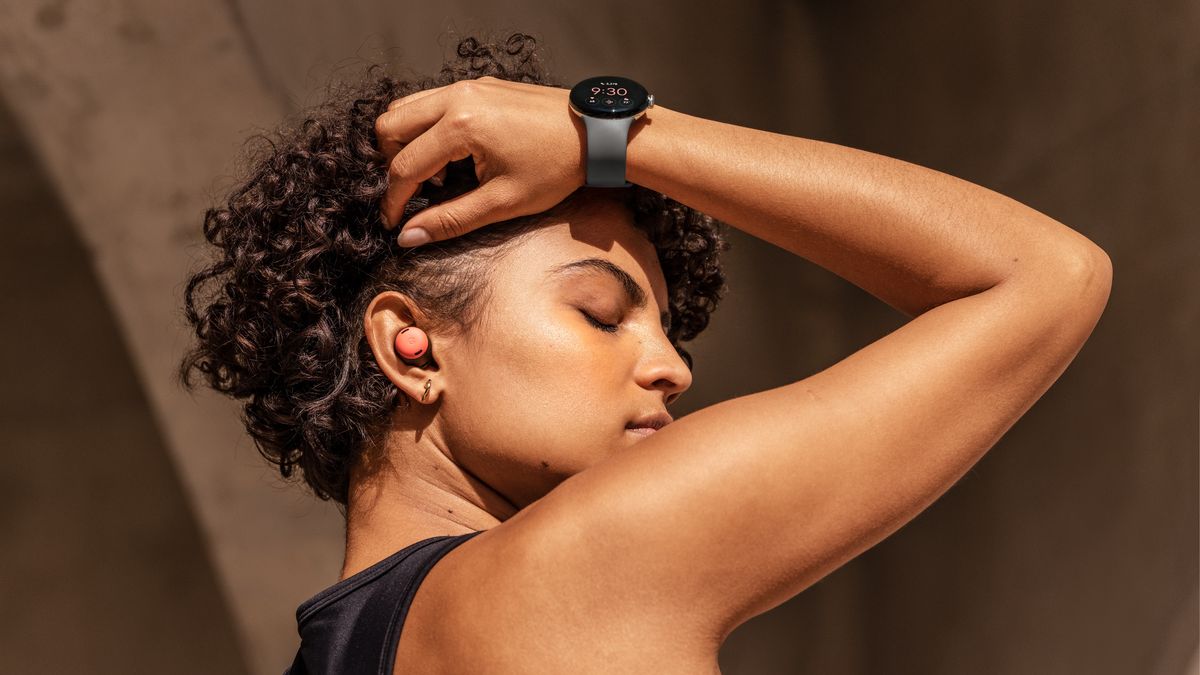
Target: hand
526, 144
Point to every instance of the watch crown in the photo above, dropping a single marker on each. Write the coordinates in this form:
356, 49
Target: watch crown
651, 99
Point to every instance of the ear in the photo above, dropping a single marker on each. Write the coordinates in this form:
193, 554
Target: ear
386, 315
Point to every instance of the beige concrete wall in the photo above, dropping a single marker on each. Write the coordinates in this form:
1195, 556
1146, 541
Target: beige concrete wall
140, 521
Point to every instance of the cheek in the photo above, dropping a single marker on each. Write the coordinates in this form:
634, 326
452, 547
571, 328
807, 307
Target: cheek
522, 417
539, 391
527, 443
554, 353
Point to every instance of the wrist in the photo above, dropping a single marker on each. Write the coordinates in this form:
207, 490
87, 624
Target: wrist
649, 139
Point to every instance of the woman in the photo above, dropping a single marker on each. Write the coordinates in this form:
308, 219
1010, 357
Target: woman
544, 534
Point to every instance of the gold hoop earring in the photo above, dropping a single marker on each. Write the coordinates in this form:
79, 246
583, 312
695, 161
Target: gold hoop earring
428, 383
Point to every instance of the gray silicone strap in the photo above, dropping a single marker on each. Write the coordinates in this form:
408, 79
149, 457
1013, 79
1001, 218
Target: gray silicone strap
606, 143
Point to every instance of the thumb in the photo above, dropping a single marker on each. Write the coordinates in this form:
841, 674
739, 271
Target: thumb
455, 217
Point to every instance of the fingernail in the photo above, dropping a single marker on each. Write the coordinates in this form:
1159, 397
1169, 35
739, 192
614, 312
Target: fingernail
413, 236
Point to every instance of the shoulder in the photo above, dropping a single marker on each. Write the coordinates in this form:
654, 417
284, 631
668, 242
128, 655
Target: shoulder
487, 606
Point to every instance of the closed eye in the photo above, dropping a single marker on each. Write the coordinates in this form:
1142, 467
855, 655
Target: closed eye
607, 328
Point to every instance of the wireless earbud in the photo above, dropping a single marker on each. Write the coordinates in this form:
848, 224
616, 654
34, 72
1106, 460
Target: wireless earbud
411, 343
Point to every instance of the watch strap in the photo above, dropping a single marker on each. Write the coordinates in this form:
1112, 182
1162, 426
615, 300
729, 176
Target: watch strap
607, 139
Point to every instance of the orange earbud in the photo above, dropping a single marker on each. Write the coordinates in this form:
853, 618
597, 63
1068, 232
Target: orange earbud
411, 343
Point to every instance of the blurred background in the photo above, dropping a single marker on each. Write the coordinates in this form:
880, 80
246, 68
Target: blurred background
142, 532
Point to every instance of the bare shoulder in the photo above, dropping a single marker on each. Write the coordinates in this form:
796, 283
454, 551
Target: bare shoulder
476, 612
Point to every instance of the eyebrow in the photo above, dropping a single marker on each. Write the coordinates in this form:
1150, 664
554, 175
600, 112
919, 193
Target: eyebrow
633, 291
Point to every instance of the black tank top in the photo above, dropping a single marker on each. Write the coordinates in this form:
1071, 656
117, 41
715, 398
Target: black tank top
353, 627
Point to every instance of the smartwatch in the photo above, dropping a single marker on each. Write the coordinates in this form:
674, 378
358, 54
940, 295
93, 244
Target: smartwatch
608, 105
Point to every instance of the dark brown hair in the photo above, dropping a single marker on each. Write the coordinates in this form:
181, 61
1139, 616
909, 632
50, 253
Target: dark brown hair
300, 251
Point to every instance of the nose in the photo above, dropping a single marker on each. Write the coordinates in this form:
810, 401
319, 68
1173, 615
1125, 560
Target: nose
664, 368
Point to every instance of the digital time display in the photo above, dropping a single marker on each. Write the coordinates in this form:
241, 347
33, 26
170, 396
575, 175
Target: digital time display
609, 96
610, 91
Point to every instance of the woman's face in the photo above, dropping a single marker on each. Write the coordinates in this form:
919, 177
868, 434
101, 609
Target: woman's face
538, 392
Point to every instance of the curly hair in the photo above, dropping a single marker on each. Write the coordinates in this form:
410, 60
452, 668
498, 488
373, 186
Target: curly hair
301, 251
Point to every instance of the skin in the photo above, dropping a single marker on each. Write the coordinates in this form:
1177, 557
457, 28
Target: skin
647, 561
535, 395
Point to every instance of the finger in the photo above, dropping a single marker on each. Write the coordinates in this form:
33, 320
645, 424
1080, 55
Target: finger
410, 97
489, 203
406, 118
413, 96
425, 156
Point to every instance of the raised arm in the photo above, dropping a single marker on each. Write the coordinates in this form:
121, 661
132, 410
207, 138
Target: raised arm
735, 508
911, 236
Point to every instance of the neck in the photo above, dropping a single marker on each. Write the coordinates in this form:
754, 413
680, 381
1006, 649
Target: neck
414, 493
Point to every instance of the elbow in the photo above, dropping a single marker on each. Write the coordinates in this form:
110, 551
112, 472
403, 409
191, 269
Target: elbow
1082, 289
1095, 271
1070, 280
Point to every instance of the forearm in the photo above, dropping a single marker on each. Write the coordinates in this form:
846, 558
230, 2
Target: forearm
911, 236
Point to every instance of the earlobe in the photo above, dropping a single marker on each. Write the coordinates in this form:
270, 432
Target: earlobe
412, 344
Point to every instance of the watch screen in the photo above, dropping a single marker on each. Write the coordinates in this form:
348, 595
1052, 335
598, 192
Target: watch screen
609, 96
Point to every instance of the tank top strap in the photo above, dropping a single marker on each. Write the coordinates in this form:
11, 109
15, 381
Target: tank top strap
353, 627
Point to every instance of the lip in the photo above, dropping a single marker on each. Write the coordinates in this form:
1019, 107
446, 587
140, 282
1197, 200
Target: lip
641, 431
655, 419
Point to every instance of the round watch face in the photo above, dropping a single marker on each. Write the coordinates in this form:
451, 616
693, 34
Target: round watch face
609, 96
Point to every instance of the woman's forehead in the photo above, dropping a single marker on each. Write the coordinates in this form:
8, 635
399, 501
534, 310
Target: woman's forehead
578, 248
